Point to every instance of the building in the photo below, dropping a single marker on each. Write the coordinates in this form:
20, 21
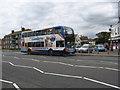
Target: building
84, 39
115, 35
0, 43
13, 40
115, 32
78, 41
92, 41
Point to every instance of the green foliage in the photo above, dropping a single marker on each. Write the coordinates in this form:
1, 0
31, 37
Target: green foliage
102, 37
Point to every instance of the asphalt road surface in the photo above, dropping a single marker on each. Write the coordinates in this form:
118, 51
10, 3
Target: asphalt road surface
20, 70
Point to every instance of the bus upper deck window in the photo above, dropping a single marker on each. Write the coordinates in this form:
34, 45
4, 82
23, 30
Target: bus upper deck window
38, 33
57, 30
44, 32
50, 31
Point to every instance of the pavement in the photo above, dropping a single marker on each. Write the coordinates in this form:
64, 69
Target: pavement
114, 53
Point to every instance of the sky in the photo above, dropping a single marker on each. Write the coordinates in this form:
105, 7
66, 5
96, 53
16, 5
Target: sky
86, 17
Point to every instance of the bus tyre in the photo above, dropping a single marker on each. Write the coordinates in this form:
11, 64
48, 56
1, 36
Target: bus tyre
29, 52
50, 53
63, 54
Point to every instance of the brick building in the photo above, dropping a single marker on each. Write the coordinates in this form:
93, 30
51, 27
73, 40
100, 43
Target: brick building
13, 40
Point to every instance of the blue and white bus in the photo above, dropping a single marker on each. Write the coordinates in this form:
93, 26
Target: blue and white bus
53, 40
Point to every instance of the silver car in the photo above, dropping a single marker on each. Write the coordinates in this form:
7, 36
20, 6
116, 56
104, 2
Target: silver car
85, 48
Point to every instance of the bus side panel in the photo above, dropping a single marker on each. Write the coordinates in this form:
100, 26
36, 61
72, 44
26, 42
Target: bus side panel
40, 52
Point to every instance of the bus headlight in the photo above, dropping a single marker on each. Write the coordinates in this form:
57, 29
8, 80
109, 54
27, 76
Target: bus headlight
67, 50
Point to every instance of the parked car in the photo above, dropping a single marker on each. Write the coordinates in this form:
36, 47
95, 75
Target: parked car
100, 48
77, 48
85, 48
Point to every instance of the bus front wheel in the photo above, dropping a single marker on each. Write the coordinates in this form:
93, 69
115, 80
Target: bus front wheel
50, 53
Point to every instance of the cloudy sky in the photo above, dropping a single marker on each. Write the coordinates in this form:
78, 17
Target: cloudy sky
85, 17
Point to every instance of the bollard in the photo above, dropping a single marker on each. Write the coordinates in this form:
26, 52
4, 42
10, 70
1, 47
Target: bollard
97, 51
118, 52
80, 51
107, 51
88, 51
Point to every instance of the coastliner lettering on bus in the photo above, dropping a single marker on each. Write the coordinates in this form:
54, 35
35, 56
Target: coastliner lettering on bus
38, 38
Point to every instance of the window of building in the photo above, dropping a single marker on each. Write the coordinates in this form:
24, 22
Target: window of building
118, 30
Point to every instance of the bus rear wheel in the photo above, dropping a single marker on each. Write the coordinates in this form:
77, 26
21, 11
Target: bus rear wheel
29, 52
50, 53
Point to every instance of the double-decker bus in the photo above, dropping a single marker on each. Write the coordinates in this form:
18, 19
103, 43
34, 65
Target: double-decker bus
53, 40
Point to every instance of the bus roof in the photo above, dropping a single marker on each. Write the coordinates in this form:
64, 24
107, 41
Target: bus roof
45, 28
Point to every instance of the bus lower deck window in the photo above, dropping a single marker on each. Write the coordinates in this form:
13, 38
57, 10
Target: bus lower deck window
59, 43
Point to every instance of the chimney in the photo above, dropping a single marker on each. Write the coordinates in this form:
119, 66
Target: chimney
12, 31
110, 25
110, 28
119, 20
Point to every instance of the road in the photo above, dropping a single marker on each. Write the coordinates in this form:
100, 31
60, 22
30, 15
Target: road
20, 70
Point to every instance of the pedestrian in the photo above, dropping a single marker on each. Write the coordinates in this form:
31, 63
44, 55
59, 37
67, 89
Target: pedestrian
111, 47
118, 50
107, 46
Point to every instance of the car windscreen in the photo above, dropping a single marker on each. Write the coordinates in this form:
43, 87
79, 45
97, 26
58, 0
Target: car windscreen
85, 46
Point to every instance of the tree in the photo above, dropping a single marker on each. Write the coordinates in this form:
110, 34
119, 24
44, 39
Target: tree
102, 37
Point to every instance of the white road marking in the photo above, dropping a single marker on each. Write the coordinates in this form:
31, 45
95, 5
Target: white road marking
85, 78
26, 58
16, 65
16, 57
108, 62
100, 82
88, 66
14, 84
63, 75
5, 81
8, 62
31, 59
35, 60
38, 69
100, 61
11, 64
59, 63
82, 66
112, 69
22, 66
80, 60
